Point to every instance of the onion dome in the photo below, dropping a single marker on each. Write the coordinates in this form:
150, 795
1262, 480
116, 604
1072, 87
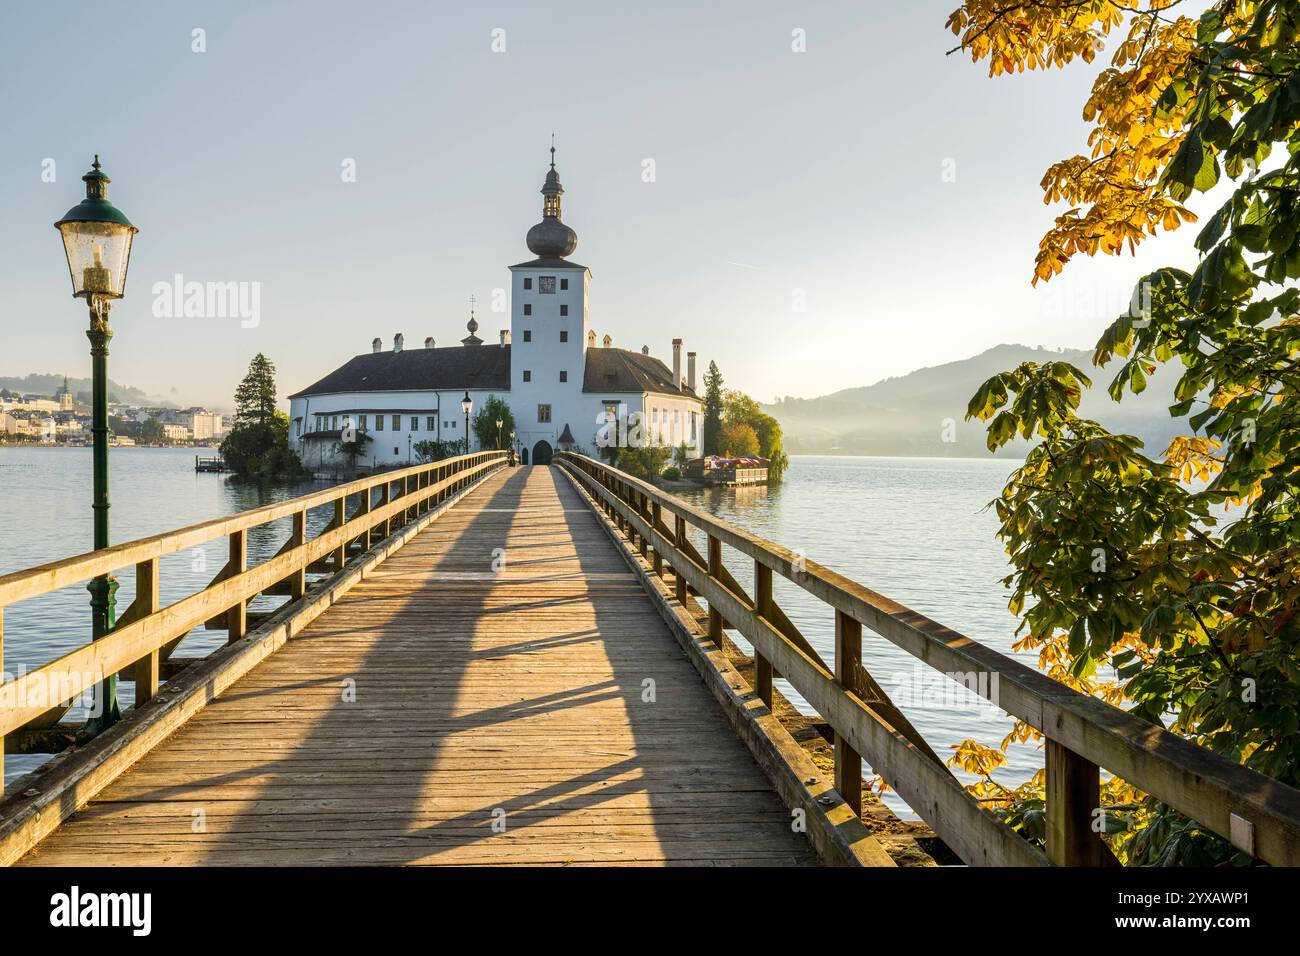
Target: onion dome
551, 238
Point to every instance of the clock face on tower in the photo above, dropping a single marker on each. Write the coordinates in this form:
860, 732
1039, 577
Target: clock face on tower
546, 284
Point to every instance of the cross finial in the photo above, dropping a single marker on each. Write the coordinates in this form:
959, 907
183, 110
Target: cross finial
471, 305
552, 150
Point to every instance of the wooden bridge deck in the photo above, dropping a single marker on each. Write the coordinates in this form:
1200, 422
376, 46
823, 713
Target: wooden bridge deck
513, 697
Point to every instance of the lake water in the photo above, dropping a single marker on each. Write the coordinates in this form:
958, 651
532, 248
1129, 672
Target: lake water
912, 529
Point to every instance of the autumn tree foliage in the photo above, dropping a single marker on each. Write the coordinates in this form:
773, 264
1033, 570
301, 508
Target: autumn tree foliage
1166, 582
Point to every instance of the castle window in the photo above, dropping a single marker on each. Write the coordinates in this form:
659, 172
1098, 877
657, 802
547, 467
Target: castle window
528, 283
397, 423
564, 376
543, 413
546, 285
528, 309
431, 424
528, 376
564, 285
379, 423
361, 422
415, 423
564, 335
564, 310
528, 335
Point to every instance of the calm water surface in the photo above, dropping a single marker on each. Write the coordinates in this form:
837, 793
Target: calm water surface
45, 515
913, 529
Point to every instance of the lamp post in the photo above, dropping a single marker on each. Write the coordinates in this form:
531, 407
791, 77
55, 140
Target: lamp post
97, 241
467, 405
499, 424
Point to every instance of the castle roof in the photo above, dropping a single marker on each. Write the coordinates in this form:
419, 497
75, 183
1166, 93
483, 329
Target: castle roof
485, 367
618, 370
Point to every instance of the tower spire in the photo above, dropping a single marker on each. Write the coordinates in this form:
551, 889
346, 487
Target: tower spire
551, 238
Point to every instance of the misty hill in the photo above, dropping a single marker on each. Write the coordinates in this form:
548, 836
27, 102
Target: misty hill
906, 415
47, 384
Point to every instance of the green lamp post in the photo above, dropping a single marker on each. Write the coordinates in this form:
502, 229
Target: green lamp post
97, 240
467, 406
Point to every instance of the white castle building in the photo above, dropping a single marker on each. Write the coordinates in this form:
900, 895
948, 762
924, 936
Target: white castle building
566, 390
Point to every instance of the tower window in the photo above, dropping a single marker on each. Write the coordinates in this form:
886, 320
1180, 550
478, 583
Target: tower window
543, 413
528, 308
528, 376
528, 283
564, 335
564, 285
564, 376
528, 335
546, 285
564, 310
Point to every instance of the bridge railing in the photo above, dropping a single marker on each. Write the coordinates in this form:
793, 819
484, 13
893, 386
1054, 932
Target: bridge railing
147, 632
1258, 815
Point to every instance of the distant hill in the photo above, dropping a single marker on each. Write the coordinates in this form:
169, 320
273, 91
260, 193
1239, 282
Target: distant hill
39, 384
906, 415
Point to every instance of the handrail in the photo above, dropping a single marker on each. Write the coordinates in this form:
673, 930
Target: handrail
146, 633
1257, 814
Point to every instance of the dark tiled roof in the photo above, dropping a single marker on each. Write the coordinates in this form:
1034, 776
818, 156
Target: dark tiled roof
618, 370
456, 367
550, 262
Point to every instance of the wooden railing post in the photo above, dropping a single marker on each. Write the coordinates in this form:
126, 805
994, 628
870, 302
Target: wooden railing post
656, 520
763, 607
1073, 800
679, 541
715, 565
848, 659
2, 680
237, 616
146, 603
297, 538
340, 554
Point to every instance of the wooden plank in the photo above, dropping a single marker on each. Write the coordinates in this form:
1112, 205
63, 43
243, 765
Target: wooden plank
848, 662
147, 588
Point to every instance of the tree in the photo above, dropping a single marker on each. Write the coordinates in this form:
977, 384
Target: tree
151, 431
1127, 562
740, 409
485, 424
257, 446
645, 461
429, 450
712, 429
738, 440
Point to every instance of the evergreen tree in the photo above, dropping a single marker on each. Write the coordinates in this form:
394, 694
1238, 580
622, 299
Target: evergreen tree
485, 424
257, 447
712, 411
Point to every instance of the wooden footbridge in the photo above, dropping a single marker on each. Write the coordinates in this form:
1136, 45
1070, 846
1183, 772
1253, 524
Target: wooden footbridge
478, 664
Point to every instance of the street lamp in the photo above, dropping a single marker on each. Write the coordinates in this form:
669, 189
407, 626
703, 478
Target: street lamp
97, 241
466, 406
499, 424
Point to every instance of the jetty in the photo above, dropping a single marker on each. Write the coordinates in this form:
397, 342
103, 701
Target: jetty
217, 464
477, 664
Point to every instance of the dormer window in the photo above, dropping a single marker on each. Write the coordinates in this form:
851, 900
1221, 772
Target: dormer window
546, 285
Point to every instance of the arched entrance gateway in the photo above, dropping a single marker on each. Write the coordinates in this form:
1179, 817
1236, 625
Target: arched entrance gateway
542, 453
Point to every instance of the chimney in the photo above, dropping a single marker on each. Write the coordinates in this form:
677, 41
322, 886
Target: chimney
677, 363
690, 370
591, 339
428, 343
376, 345
645, 350
608, 341
397, 342
505, 336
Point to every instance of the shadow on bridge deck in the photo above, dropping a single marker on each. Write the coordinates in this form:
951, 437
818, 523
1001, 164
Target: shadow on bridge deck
446, 712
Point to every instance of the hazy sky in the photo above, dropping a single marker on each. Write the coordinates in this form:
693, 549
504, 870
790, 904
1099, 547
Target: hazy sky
778, 175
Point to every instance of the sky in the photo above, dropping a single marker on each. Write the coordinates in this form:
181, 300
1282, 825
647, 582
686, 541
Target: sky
810, 220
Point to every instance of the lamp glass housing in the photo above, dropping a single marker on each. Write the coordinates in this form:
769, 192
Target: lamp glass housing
98, 255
